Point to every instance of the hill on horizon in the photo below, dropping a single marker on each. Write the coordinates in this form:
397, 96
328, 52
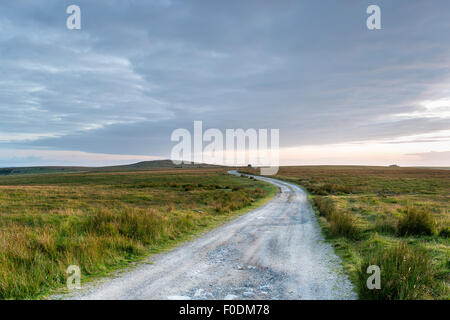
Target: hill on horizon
143, 165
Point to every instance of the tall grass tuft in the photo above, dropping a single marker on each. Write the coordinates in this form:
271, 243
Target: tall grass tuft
326, 206
406, 273
343, 224
416, 222
386, 224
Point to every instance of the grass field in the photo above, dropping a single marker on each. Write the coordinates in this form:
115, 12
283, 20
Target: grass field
396, 218
102, 221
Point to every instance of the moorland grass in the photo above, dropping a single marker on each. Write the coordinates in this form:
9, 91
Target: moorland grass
104, 221
343, 224
397, 218
407, 273
416, 221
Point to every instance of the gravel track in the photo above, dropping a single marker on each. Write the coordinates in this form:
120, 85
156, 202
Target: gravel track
273, 252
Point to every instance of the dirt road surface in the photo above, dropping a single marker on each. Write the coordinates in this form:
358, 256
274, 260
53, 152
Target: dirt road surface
273, 252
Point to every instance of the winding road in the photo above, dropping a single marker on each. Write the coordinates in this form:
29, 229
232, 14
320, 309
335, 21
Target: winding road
273, 252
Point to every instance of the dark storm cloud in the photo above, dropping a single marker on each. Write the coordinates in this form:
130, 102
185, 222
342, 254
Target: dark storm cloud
139, 69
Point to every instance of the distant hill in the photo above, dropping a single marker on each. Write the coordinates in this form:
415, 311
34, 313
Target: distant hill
155, 164
37, 170
144, 165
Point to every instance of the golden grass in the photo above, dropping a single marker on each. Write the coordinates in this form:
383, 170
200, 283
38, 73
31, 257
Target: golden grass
368, 211
102, 221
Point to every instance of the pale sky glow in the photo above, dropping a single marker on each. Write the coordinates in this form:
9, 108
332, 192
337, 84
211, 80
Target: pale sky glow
114, 91
70, 158
429, 109
399, 151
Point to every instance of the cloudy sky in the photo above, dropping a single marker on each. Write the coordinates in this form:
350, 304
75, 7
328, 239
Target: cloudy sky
114, 91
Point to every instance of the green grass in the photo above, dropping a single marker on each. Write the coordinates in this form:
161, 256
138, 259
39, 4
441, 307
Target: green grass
416, 221
105, 221
397, 218
407, 273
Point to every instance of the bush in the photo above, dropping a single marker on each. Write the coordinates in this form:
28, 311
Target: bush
416, 222
342, 224
406, 273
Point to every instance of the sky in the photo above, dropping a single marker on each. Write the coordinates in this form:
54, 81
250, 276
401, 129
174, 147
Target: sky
114, 91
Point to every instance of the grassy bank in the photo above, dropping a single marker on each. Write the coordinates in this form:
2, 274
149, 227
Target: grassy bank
396, 218
103, 221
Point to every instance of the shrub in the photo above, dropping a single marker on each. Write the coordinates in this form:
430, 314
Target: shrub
406, 273
342, 224
416, 222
